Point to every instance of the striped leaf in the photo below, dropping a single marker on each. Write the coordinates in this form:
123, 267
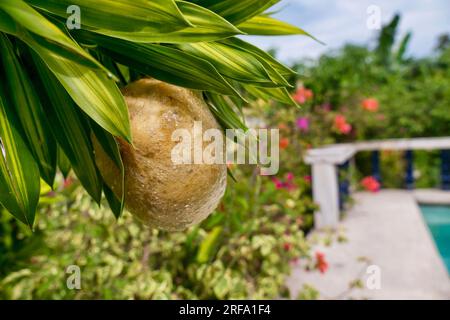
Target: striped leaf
279, 94
265, 25
42, 30
206, 26
93, 91
19, 173
26, 104
237, 11
222, 108
157, 16
260, 54
164, 63
70, 129
232, 62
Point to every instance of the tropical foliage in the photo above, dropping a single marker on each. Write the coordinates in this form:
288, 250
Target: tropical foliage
61, 85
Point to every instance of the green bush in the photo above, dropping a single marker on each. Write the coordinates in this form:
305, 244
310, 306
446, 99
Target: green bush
243, 250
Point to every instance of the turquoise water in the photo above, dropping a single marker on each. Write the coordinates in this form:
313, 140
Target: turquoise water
438, 220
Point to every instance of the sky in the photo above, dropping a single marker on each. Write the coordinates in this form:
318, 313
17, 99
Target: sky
337, 22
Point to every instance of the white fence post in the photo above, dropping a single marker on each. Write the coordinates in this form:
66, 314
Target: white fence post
326, 194
325, 182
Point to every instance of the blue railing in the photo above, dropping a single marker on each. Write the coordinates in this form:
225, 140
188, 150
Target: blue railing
344, 183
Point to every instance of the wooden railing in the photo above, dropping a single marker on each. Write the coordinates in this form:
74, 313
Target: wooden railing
329, 193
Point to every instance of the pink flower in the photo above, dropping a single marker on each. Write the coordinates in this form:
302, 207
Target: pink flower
308, 179
302, 95
287, 184
289, 176
341, 125
278, 183
370, 104
302, 124
370, 184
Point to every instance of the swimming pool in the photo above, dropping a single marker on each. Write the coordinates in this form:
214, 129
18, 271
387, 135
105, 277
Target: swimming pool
438, 220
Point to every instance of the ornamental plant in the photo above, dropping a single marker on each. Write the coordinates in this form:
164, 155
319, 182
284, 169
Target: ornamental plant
61, 82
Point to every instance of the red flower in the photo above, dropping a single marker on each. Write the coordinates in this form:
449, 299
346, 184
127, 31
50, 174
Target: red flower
307, 179
321, 263
284, 142
341, 124
370, 104
302, 95
370, 184
287, 246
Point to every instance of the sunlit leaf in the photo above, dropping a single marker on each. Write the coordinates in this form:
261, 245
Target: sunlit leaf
268, 26
165, 63
19, 173
255, 51
41, 30
26, 104
237, 11
279, 94
70, 128
232, 62
157, 16
91, 89
207, 26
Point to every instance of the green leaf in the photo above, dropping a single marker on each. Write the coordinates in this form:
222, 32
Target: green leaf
19, 173
164, 63
268, 26
70, 129
7, 24
222, 108
94, 91
63, 163
261, 54
115, 204
232, 62
157, 16
32, 26
279, 94
206, 249
402, 47
207, 26
111, 148
237, 11
26, 104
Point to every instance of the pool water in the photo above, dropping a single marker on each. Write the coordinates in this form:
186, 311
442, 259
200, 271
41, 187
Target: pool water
438, 221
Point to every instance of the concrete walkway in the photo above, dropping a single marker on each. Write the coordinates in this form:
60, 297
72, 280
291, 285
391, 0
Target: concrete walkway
385, 229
